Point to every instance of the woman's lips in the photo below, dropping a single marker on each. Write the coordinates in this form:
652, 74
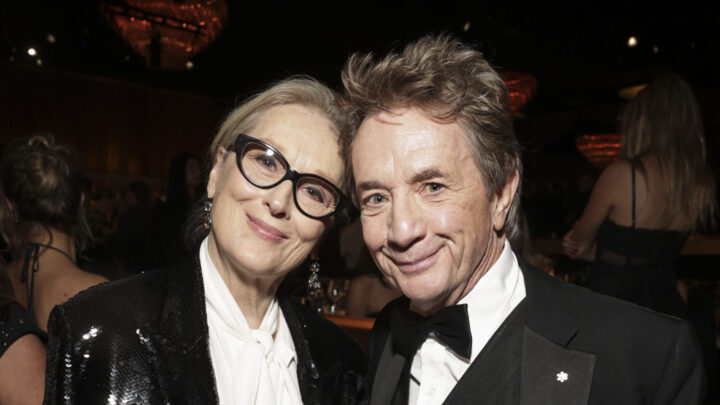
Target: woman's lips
264, 230
409, 266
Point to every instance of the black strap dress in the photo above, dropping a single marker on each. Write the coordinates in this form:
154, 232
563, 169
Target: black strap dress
637, 265
15, 323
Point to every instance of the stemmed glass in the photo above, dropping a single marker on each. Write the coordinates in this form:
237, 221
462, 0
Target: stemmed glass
337, 289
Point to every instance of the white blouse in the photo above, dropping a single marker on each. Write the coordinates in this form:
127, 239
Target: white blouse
250, 367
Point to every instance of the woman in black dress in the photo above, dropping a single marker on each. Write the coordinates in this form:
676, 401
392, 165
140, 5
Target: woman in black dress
213, 330
644, 206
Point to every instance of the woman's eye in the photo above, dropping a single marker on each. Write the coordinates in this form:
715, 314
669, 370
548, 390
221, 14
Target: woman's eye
315, 193
266, 162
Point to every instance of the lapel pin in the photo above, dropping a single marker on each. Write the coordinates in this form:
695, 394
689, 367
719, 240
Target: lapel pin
562, 376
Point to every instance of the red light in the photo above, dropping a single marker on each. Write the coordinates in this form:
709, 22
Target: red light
521, 87
179, 26
599, 149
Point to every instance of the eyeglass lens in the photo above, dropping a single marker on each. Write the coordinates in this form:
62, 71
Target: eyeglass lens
264, 168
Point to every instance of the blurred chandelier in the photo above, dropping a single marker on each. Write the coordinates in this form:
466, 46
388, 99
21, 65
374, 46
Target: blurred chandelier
167, 33
599, 149
521, 86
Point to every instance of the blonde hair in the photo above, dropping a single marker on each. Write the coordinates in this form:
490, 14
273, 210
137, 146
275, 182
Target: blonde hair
451, 82
664, 121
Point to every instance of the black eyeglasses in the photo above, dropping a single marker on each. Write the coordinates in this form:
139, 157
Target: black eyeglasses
264, 167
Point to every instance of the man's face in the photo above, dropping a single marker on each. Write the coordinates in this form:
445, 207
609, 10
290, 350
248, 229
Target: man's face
427, 218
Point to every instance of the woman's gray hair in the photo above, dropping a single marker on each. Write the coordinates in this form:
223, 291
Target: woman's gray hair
299, 90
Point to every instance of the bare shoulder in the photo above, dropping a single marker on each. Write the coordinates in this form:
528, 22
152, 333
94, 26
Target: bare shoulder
22, 371
613, 185
616, 171
27, 348
80, 280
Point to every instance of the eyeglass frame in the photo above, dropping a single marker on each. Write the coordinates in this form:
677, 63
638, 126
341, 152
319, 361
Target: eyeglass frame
290, 174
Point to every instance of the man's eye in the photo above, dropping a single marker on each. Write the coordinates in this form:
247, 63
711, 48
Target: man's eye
434, 187
375, 199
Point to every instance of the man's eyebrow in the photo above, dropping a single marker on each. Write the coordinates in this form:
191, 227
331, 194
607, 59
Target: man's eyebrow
368, 185
427, 174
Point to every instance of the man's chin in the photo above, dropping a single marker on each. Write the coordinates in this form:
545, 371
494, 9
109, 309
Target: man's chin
425, 302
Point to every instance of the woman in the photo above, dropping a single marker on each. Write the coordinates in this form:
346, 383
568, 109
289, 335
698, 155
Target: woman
22, 352
213, 330
43, 223
644, 206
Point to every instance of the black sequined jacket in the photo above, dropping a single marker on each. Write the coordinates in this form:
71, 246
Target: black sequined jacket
144, 340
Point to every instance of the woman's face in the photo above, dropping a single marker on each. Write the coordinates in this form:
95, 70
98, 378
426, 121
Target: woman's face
260, 232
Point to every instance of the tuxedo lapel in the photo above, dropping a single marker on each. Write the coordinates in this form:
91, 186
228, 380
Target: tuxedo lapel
177, 342
552, 373
387, 375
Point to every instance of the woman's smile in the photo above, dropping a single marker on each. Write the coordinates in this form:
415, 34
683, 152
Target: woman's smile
265, 230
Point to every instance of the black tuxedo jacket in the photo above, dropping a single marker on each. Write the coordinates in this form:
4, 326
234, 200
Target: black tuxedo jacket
610, 351
144, 340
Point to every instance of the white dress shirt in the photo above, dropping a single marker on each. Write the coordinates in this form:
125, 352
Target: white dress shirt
250, 366
436, 369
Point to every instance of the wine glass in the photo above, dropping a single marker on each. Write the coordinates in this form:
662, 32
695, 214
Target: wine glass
336, 291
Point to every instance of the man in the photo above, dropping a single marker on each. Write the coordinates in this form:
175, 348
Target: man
436, 170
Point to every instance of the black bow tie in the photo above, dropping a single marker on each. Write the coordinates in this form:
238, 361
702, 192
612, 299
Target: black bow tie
450, 325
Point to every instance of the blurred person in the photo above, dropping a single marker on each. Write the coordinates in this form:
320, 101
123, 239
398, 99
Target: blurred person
103, 217
102, 213
436, 172
184, 189
213, 330
369, 292
43, 223
130, 242
644, 206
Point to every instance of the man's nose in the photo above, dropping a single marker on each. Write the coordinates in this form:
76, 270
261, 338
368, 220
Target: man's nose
407, 223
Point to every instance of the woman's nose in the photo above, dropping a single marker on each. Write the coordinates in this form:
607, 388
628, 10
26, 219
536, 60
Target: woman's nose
279, 199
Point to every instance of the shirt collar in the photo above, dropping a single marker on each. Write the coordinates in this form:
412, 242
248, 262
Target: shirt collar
492, 299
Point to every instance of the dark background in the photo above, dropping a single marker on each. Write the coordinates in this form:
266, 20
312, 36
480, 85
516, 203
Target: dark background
128, 120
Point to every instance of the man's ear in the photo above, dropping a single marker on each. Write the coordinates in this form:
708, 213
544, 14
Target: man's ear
212, 179
503, 200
